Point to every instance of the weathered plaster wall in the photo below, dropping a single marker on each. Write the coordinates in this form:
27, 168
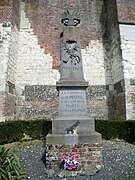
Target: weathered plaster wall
8, 53
126, 18
5, 40
3, 70
128, 53
34, 67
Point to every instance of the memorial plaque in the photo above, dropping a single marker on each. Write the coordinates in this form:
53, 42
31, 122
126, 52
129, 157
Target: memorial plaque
72, 102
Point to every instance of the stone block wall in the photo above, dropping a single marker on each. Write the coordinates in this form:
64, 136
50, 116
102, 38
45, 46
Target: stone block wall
41, 102
97, 102
114, 41
2, 99
8, 54
5, 39
115, 58
9, 107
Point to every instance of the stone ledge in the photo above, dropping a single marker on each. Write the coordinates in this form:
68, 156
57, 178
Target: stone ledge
72, 84
82, 124
72, 139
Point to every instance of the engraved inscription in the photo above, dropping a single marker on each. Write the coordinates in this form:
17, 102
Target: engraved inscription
72, 102
71, 68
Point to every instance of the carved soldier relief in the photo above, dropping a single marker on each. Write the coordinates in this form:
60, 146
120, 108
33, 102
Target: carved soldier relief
71, 59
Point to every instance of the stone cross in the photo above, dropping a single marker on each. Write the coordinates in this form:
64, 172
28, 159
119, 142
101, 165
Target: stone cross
71, 59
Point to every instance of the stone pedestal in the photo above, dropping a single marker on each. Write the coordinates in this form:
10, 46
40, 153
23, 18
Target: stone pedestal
73, 131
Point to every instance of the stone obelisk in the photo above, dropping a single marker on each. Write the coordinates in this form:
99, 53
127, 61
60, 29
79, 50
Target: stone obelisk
73, 129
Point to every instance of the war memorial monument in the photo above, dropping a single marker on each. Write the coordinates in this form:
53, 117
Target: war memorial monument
73, 130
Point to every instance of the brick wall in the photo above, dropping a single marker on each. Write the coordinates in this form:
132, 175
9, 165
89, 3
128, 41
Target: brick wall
16, 13
45, 19
90, 157
126, 11
6, 7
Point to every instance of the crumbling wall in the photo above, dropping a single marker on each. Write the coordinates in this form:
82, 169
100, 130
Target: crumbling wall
118, 84
39, 55
126, 18
7, 69
30, 57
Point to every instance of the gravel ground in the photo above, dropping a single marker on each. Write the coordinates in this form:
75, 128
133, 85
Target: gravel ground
118, 157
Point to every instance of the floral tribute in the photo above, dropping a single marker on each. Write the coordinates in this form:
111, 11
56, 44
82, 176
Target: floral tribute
71, 160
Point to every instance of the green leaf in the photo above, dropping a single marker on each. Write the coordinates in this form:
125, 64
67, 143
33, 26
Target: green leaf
10, 168
17, 160
9, 176
9, 161
16, 170
3, 174
2, 171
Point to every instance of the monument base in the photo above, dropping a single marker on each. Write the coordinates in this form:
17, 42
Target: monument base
72, 139
89, 146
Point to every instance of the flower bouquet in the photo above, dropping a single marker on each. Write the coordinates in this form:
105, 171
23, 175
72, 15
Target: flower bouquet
71, 160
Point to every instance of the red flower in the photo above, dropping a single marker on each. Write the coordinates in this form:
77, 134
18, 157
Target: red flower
69, 168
